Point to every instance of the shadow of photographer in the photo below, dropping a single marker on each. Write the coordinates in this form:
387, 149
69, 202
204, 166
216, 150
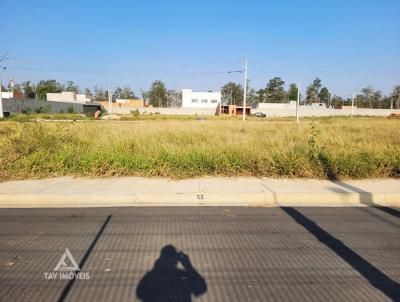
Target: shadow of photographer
166, 282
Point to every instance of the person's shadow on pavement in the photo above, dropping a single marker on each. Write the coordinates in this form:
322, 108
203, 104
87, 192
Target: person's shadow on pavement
166, 282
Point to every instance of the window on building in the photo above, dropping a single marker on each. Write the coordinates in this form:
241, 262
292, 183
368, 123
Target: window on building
214, 101
204, 101
195, 101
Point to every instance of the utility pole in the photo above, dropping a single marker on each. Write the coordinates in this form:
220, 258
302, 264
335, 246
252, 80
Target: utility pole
245, 89
110, 102
245, 86
329, 100
353, 100
298, 102
398, 100
1, 95
391, 102
4, 57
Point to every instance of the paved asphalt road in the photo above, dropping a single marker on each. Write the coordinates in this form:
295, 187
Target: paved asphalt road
234, 254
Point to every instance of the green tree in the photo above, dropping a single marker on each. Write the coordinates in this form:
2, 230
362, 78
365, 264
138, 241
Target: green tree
337, 101
260, 95
17, 88
47, 86
127, 93
292, 92
158, 94
99, 94
88, 92
70, 86
370, 98
366, 96
251, 97
396, 97
232, 93
275, 91
387, 102
145, 94
312, 92
117, 93
377, 100
324, 95
28, 89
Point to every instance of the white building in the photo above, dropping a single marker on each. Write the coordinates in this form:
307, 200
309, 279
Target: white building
7, 95
191, 99
67, 96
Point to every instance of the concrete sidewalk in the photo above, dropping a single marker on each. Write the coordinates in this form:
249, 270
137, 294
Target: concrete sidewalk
209, 191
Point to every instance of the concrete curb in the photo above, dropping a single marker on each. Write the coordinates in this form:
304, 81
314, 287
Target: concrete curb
338, 199
248, 199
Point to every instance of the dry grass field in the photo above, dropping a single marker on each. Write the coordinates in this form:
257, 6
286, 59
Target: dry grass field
181, 148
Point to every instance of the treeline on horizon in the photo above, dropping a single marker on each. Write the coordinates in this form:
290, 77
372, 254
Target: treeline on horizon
232, 93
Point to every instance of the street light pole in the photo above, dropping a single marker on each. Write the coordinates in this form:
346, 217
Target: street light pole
1, 84
245, 90
110, 102
298, 102
1, 95
2, 58
245, 86
1, 92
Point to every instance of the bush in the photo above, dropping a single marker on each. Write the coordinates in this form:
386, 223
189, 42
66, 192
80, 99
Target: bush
45, 109
70, 110
27, 111
135, 113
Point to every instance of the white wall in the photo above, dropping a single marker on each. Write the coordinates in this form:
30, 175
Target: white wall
67, 96
204, 99
290, 105
16, 106
315, 111
165, 111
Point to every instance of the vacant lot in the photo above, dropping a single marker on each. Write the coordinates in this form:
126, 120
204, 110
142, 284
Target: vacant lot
322, 148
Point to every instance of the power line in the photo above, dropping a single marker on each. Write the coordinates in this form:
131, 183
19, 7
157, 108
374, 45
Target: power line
114, 71
133, 71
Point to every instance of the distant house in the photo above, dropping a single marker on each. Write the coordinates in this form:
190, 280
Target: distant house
7, 95
67, 96
191, 99
233, 110
12, 95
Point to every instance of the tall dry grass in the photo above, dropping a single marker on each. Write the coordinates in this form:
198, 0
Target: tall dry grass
324, 148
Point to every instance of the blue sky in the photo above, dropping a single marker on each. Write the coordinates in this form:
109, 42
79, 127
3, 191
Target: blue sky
192, 44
